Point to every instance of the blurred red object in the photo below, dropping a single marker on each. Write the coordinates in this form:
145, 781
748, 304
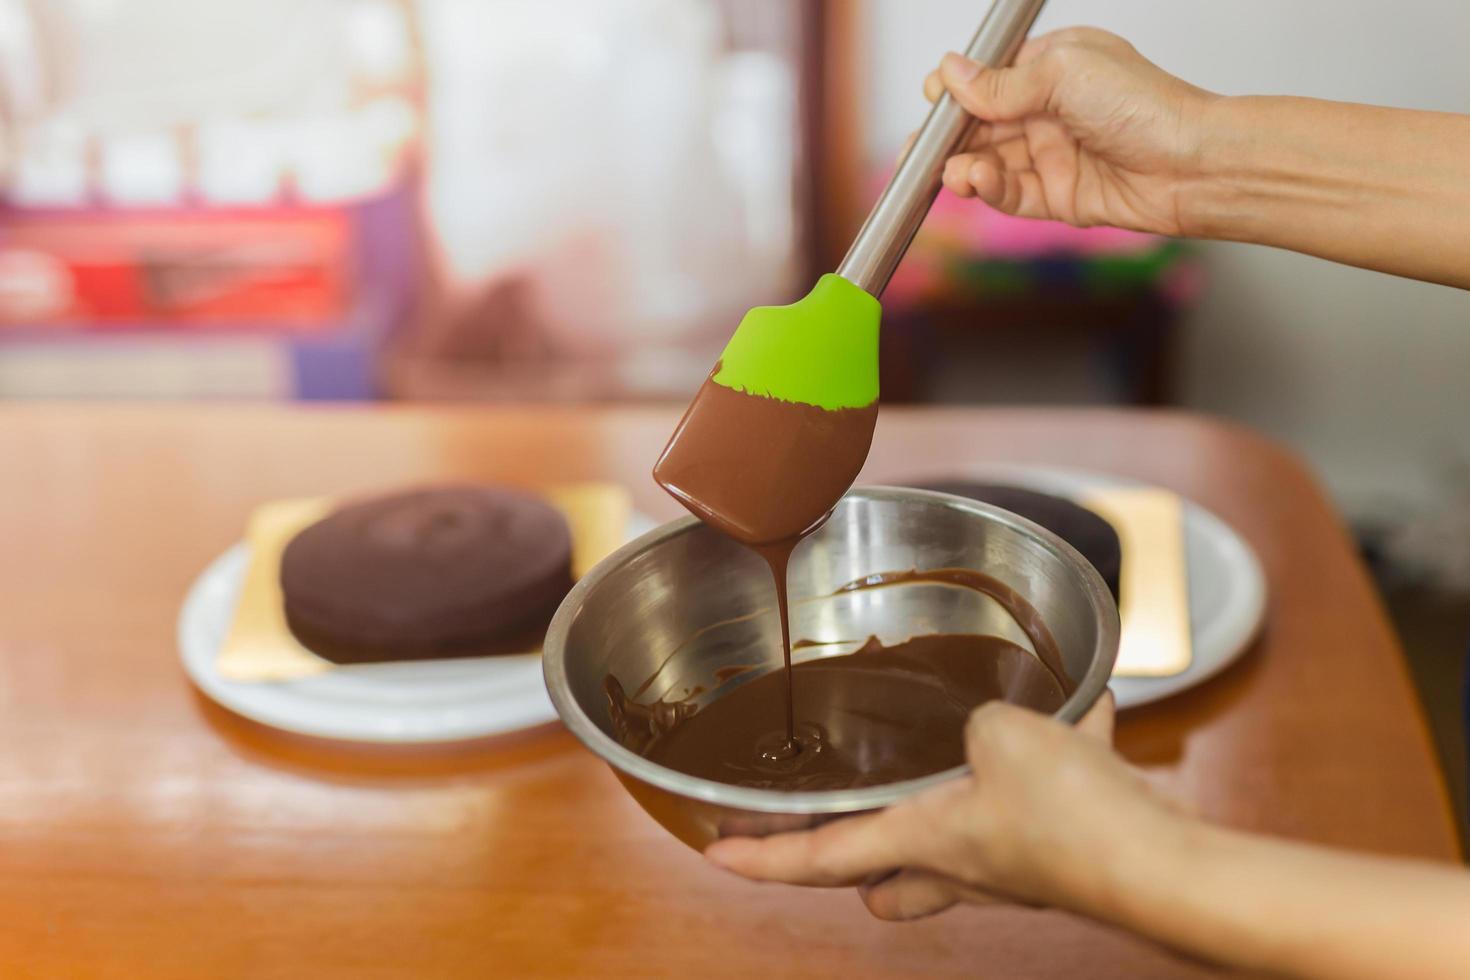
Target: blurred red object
285, 268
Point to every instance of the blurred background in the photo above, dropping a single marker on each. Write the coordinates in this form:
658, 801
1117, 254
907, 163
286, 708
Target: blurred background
575, 200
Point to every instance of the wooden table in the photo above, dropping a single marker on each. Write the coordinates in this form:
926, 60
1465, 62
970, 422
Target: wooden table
146, 833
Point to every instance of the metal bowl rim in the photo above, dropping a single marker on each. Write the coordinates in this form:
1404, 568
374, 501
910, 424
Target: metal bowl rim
630, 763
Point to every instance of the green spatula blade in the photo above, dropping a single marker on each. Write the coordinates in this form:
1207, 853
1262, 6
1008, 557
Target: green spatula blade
821, 350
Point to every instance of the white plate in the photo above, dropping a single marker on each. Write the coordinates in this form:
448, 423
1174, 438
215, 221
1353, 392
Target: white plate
1227, 590
418, 702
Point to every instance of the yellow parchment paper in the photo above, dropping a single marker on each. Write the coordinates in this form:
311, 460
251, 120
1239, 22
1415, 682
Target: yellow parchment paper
1154, 579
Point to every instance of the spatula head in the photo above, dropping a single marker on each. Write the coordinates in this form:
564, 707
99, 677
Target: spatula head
782, 426
821, 350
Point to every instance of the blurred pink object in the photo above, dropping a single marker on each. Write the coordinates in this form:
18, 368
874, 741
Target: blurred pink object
918, 275
964, 231
986, 232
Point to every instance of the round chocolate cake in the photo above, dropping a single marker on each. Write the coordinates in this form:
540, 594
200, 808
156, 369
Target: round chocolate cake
440, 572
1084, 530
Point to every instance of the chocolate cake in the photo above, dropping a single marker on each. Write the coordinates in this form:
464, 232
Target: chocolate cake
1073, 523
437, 572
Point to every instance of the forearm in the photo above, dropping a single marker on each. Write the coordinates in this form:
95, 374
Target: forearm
1289, 908
1385, 189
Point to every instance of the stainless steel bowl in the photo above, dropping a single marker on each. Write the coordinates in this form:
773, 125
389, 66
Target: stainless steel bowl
672, 608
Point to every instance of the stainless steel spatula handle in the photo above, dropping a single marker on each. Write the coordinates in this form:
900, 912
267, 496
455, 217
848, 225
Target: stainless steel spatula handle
894, 220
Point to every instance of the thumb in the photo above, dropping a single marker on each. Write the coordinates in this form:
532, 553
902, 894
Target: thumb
993, 730
1098, 723
997, 94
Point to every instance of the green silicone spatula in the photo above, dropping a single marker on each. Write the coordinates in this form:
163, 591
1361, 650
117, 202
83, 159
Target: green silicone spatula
822, 350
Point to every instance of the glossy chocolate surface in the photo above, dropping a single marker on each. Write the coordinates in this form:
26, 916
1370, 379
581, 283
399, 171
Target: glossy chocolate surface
883, 714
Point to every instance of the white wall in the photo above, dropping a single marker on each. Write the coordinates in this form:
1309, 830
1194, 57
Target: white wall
1367, 375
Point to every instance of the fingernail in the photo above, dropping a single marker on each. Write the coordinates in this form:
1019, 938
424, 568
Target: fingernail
960, 67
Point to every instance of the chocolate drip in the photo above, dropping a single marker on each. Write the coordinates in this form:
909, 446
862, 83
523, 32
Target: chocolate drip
767, 473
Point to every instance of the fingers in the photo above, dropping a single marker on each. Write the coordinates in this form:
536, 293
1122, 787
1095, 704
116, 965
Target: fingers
1098, 723
994, 721
987, 134
843, 852
933, 86
957, 175
987, 728
997, 93
913, 894
1001, 177
983, 135
1031, 50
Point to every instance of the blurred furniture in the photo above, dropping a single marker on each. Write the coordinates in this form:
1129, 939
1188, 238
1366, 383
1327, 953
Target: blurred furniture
978, 285
146, 832
289, 302
940, 353
208, 199
1076, 315
1434, 628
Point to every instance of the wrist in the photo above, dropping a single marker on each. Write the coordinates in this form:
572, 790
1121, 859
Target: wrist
1210, 199
1179, 882
1150, 864
1129, 863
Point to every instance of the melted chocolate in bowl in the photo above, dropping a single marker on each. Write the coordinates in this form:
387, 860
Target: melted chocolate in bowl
880, 715
767, 473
